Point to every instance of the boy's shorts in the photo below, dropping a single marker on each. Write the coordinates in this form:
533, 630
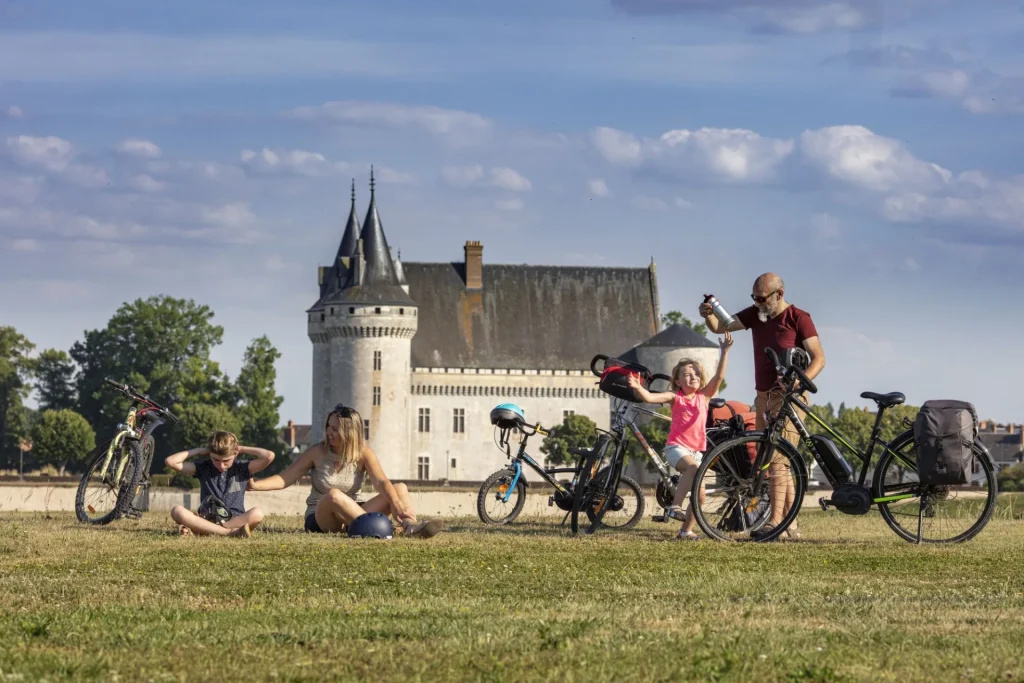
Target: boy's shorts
673, 454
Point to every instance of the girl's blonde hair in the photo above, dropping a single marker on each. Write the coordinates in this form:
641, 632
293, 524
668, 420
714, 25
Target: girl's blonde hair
350, 428
681, 365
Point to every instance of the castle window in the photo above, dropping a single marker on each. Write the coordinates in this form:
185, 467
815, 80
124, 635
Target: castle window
376, 360
377, 310
352, 309
322, 317
424, 419
376, 396
366, 429
454, 464
459, 421
423, 467
332, 310
567, 413
401, 311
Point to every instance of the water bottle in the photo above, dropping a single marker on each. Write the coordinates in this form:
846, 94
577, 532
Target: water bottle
719, 310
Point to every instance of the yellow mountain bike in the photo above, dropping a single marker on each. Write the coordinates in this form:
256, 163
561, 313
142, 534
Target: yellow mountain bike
120, 468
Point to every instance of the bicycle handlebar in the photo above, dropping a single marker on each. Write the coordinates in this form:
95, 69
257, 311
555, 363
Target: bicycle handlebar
132, 393
593, 362
804, 379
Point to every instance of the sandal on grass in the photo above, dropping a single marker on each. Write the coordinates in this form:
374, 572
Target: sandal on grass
687, 536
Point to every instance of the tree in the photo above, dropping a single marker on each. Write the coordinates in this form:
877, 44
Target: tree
61, 437
160, 345
576, 431
258, 402
15, 371
673, 317
55, 380
198, 422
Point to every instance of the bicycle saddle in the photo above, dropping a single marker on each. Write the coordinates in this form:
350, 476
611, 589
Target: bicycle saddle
885, 400
716, 403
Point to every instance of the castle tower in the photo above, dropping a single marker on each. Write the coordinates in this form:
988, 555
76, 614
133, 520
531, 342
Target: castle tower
367, 327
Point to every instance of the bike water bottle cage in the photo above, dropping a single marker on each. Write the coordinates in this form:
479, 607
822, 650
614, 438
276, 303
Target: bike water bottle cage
508, 416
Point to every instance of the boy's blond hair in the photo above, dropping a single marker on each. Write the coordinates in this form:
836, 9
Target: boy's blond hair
681, 365
223, 444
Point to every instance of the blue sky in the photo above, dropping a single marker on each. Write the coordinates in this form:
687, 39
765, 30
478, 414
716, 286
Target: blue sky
869, 151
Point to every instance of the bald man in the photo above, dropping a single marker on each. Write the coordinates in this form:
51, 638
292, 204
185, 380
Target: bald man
774, 323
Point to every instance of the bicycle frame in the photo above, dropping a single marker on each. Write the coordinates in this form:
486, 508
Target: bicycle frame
128, 430
545, 473
775, 427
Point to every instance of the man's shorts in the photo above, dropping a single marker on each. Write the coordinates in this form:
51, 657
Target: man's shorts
673, 454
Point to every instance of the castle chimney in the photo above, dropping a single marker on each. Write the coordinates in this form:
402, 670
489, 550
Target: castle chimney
474, 265
291, 433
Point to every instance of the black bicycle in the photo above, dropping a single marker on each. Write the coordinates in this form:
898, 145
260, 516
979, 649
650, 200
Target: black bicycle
118, 475
503, 494
916, 512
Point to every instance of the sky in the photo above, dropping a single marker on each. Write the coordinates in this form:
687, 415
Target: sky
871, 152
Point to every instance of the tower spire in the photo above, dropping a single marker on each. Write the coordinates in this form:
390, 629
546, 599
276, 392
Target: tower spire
372, 182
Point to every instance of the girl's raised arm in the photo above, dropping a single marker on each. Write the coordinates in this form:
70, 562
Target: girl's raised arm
712, 387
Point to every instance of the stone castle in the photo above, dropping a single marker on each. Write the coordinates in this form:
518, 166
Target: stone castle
424, 351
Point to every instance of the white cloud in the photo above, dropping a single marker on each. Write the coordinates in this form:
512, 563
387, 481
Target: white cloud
475, 176
49, 153
731, 155
139, 148
238, 215
682, 203
909, 264
449, 123
855, 155
146, 183
511, 204
598, 187
386, 174
25, 245
295, 161
14, 112
645, 203
817, 18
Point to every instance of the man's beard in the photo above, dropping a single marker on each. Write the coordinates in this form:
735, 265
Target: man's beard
763, 313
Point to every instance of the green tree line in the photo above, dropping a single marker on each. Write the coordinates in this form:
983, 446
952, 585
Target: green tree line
160, 345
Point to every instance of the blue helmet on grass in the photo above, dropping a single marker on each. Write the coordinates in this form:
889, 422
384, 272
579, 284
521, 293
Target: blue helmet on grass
508, 416
371, 525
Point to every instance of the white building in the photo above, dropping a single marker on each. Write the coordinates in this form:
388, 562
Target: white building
424, 351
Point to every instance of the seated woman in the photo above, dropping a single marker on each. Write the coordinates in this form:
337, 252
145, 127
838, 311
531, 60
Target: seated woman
337, 467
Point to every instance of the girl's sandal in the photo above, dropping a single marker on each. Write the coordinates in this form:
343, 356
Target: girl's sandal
687, 536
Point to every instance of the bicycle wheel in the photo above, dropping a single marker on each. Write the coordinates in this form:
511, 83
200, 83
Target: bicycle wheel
947, 514
625, 509
493, 491
730, 503
102, 497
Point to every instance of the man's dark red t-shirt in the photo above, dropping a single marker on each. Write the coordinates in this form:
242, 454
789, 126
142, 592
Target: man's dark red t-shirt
787, 330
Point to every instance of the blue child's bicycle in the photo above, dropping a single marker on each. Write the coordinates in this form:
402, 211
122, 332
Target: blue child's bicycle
503, 494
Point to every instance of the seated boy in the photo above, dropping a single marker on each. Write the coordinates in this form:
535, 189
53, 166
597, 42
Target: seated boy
222, 483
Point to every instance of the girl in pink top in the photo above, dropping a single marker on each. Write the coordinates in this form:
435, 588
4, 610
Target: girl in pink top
687, 437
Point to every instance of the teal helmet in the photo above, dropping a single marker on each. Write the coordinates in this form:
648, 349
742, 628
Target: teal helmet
508, 416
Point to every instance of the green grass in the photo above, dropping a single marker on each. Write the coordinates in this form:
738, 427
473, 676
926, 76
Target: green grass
851, 601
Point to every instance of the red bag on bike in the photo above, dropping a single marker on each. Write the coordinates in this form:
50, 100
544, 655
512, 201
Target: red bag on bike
615, 379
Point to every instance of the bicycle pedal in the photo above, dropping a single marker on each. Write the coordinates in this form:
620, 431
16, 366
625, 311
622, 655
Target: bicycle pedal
551, 501
659, 518
824, 503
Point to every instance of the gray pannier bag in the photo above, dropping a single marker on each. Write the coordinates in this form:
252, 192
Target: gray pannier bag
945, 432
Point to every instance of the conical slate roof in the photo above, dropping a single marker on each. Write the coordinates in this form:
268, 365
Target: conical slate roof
348, 241
679, 336
380, 284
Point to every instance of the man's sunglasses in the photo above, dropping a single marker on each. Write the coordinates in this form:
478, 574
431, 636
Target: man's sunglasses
762, 299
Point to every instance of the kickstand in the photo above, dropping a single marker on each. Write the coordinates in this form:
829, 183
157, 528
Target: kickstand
565, 518
920, 519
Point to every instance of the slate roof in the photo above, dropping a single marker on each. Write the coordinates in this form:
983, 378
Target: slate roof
540, 317
677, 336
337, 272
1005, 448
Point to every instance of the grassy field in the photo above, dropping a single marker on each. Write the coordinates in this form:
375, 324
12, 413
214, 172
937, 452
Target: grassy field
850, 601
